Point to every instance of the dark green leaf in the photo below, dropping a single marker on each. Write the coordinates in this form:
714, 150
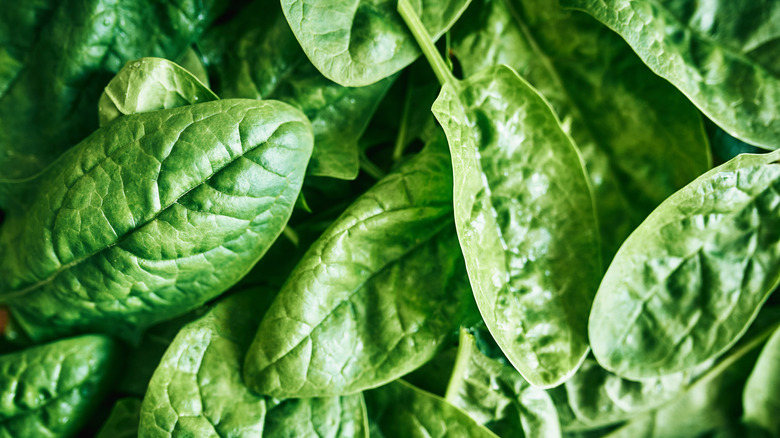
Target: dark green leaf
51, 390
152, 215
761, 397
722, 54
693, 276
123, 421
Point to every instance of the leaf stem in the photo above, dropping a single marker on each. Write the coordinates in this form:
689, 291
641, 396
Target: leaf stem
443, 74
370, 168
400, 139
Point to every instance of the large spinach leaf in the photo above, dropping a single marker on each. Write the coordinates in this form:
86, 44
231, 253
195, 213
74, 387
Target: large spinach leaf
640, 138
374, 296
524, 214
152, 215
51, 390
359, 42
689, 281
197, 389
722, 54
50, 104
399, 409
761, 397
255, 55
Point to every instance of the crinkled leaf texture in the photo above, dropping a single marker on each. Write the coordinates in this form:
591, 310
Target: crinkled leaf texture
398, 409
374, 297
761, 396
152, 215
641, 139
358, 42
690, 280
256, 56
51, 390
150, 84
493, 393
197, 388
525, 219
722, 54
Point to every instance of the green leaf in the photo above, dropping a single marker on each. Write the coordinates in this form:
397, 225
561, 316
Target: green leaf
493, 393
50, 105
123, 420
641, 139
399, 409
192, 62
761, 397
255, 56
150, 84
357, 43
51, 390
351, 315
197, 389
689, 281
152, 215
722, 54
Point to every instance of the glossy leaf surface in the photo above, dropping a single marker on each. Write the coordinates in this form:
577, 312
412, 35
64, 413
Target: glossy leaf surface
197, 390
150, 84
493, 393
525, 220
399, 409
761, 397
693, 276
152, 215
356, 43
51, 390
374, 297
256, 56
722, 54
641, 139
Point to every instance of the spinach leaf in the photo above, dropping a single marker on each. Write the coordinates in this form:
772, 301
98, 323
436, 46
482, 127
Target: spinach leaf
152, 215
150, 84
399, 409
374, 297
761, 397
722, 54
359, 42
197, 389
493, 393
51, 389
524, 214
641, 139
255, 55
689, 281
20, 24
123, 421
50, 104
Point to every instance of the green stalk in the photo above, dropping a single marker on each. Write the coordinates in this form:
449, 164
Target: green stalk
443, 74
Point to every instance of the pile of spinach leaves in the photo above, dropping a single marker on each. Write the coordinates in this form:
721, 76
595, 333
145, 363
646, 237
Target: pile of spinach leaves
262, 218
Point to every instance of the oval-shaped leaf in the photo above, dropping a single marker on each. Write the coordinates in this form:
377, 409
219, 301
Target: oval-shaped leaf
374, 296
152, 215
525, 219
399, 409
761, 396
688, 282
356, 43
197, 389
51, 390
641, 139
722, 54
150, 84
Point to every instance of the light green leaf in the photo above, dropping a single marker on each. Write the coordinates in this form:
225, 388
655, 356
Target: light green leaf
398, 409
493, 393
256, 56
761, 397
150, 84
690, 280
152, 215
351, 315
356, 43
51, 390
722, 54
641, 139
123, 420
197, 389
